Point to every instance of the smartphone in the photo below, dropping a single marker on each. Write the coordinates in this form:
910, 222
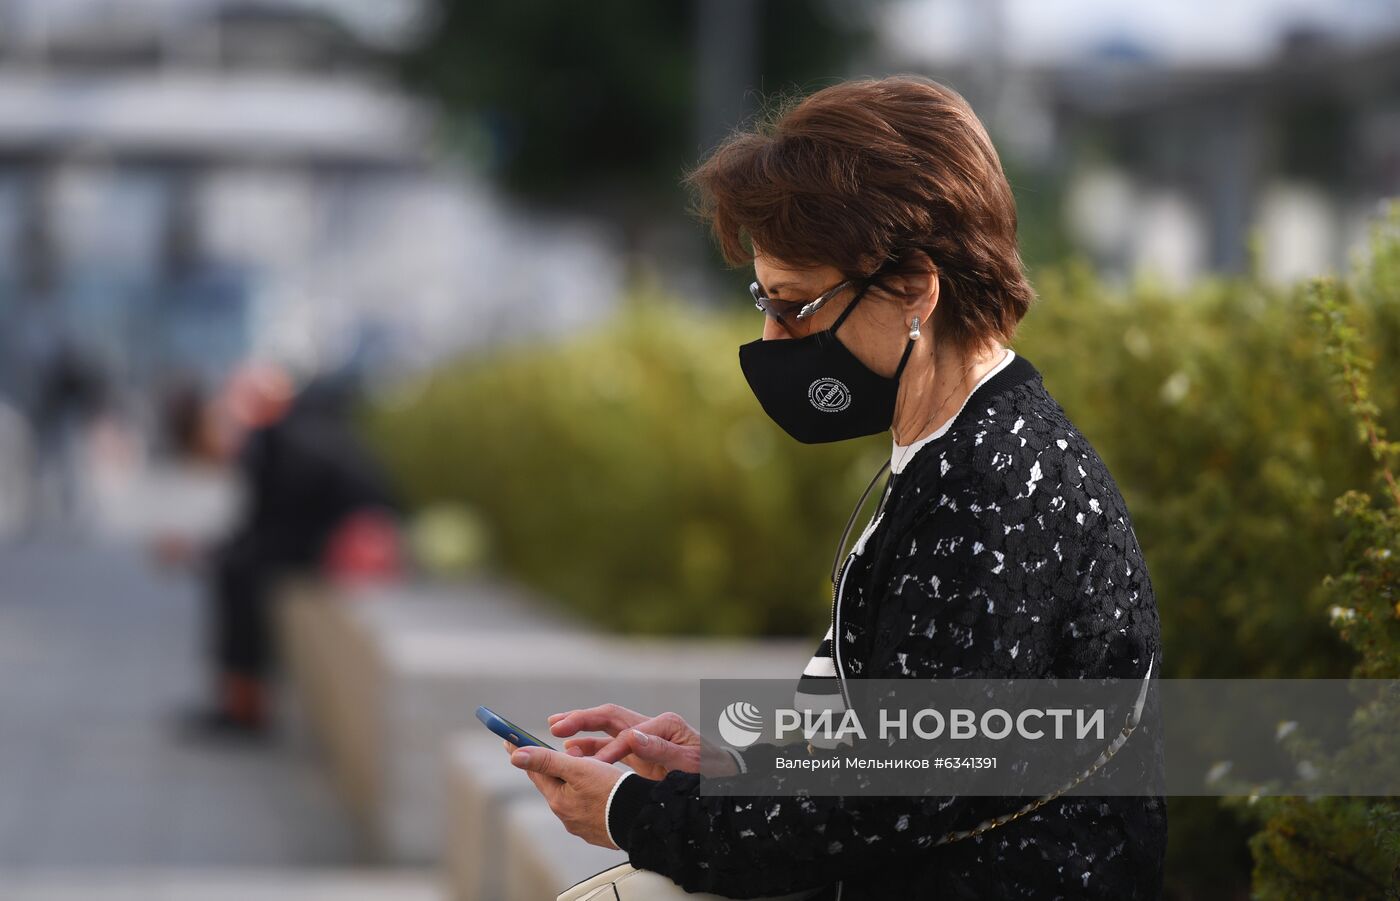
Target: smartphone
508, 730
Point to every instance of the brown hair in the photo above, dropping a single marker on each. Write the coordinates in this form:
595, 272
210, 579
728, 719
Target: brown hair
862, 176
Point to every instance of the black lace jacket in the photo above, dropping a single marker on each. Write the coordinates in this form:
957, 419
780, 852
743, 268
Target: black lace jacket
1004, 550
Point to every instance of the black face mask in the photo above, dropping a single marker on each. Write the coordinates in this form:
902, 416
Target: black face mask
816, 389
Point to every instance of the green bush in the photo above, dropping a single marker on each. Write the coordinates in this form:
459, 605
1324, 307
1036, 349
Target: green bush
1214, 414
1333, 847
630, 474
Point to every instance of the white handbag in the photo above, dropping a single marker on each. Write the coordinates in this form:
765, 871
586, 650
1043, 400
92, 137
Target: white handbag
625, 882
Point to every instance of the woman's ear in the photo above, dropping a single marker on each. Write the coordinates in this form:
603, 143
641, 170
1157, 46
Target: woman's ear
923, 293
916, 286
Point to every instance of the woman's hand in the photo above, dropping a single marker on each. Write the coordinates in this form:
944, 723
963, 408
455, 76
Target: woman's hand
652, 746
577, 789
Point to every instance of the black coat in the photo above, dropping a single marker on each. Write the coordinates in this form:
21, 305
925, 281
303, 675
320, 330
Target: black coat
1005, 550
305, 474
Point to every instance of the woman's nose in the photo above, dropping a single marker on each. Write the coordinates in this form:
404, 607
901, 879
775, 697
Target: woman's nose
772, 329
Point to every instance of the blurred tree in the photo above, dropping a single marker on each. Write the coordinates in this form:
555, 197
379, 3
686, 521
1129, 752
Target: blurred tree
1040, 198
601, 105
1335, 847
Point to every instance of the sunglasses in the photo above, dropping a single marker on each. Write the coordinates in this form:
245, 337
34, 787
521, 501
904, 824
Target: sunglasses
786, 310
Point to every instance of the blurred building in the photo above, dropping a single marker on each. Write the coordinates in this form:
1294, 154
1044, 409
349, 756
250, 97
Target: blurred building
1294, 155
1185, 137
184, 183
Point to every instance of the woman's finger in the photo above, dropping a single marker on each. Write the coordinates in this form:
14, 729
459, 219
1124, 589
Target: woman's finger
587, 746
614, 749
609, 718
636, 736
548, 786
597, 718
649, 749
669, 726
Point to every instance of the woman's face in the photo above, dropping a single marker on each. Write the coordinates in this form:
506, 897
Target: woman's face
875, 331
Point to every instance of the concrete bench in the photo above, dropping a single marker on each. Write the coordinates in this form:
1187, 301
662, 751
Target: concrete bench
502, 840
388, 676
541, 858
480, 786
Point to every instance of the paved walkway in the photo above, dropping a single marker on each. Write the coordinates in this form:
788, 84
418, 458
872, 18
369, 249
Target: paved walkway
100, 799
96, 652
219, 885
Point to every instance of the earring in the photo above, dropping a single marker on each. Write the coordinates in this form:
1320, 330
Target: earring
914, 330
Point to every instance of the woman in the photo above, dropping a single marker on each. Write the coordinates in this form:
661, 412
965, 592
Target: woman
1002, 549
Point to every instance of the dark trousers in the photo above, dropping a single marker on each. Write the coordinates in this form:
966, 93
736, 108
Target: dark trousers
240, 636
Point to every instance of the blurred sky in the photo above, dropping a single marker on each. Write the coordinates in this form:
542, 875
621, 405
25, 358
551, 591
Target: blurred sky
1172, 31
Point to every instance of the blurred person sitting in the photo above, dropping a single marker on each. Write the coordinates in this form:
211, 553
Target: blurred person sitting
315, 501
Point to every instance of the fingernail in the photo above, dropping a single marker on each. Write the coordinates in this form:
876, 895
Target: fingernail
520, 758
642, 738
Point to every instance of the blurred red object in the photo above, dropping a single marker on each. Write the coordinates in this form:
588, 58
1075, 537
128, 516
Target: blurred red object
365, 547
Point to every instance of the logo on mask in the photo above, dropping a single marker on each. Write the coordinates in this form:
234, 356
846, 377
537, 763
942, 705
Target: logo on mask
829, 395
